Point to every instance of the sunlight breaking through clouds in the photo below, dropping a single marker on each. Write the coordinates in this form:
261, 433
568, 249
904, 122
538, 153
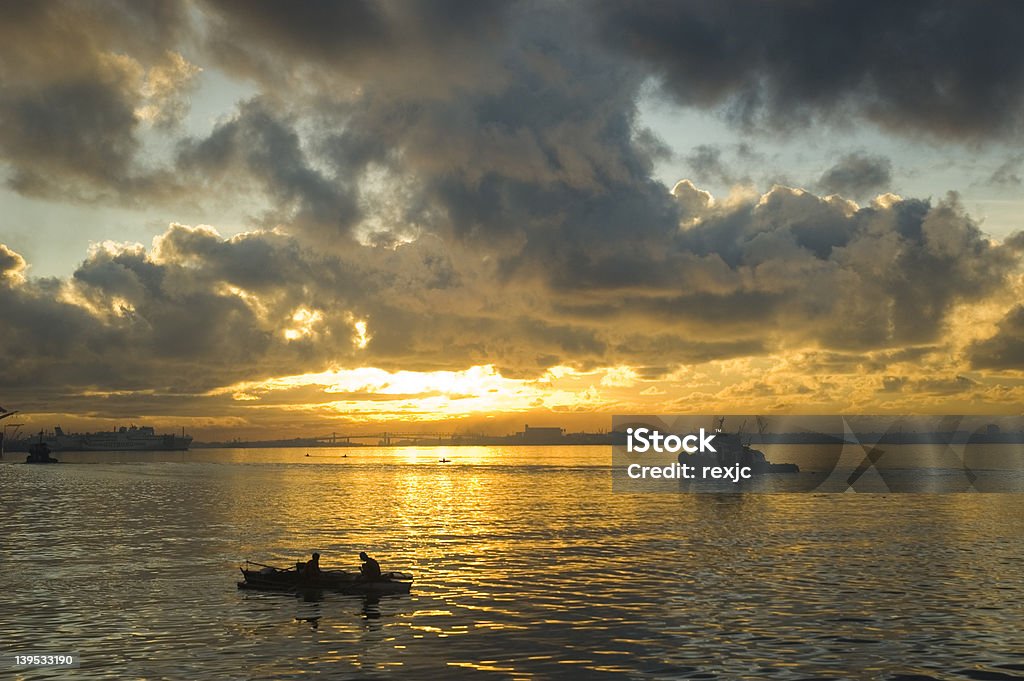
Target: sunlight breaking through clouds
433, 395
303, 323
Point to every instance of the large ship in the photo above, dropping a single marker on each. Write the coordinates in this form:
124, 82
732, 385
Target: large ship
125, 439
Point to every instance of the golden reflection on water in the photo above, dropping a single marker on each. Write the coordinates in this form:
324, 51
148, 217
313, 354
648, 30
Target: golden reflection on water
526, 564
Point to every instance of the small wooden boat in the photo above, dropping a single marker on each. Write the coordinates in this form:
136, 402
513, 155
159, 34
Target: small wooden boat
269, 578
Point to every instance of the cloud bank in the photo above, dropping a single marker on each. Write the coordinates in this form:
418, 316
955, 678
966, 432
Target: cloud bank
437, 187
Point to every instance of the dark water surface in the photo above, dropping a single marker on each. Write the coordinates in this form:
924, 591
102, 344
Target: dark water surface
527, 566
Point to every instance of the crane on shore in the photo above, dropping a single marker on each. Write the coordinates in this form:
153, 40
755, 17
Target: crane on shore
3, 431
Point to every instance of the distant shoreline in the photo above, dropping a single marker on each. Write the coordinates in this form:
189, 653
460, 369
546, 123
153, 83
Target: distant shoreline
616, 438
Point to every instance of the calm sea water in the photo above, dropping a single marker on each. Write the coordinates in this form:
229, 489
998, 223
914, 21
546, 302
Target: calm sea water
527, 566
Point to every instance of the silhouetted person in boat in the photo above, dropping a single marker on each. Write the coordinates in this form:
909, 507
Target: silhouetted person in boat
312, 567
370, 568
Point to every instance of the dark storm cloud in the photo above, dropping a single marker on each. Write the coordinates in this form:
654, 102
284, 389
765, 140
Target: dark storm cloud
11, 263
542, 167
545, 94
893, 384
74, 77
531, 159
685, 350
70, 34
809, 266
411, 46
858, 176
1008, 173
129, 320
200, 312
258, 144
473, 182
707, 165
328, 31
1005, 349
83, 128
943, 68
786, 271
927, 386
1015, 241
790, 266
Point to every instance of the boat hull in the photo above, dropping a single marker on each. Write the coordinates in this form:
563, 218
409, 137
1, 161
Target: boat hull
170, 443
273, 579
112, 441
752, 459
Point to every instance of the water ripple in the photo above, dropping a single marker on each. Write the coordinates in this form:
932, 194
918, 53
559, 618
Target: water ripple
524, 570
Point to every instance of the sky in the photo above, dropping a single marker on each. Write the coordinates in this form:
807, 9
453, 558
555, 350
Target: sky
271, 219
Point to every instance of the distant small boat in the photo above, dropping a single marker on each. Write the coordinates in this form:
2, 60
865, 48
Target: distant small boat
270, 578
444, 460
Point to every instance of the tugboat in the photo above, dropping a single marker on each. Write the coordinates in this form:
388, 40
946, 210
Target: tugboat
733, 451
39, 452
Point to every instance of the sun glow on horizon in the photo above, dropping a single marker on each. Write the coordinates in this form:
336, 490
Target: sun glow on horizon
376, 394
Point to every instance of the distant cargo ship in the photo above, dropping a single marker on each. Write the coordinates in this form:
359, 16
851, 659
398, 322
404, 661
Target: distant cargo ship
131, 438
